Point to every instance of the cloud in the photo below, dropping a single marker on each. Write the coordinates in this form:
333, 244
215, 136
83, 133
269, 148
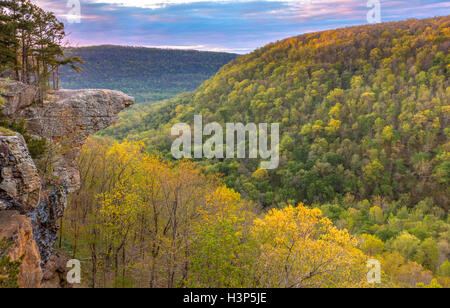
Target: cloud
226, 25
155, 4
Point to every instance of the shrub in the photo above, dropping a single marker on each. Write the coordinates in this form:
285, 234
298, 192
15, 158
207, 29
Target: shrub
37, 147
9, 270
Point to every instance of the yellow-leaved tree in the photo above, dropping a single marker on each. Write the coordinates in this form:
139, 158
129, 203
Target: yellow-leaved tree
299, 248
141, 221
223, 251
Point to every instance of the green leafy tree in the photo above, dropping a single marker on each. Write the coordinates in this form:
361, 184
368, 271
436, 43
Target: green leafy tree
407, 245
371, 245
428, 254
444, 270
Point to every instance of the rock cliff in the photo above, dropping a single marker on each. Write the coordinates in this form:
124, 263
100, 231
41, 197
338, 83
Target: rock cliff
30, 201
17, 229
19, 179
67, 118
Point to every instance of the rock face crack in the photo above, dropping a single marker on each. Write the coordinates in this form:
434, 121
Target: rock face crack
44, 221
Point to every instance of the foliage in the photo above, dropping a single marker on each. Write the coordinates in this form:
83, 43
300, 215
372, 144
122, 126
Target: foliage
31, 44
37, 147
363, 110
419, 235
300, 248
141, 221
403, 273
371, 245
9, 270
223, 250
445, 269
364, 116
133, 217
433, 285
407, 245
6, 132
428, 254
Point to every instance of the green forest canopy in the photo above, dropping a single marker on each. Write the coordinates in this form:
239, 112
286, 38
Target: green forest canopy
363, 111
148, 74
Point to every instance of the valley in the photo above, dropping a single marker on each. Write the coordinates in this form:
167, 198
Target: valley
139, 167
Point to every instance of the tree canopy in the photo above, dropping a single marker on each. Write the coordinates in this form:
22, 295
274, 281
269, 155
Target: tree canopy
31, 42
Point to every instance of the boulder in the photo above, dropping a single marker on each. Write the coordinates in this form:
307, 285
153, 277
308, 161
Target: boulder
17, 96
55, 275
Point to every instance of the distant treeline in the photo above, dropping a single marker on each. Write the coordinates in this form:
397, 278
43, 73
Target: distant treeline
148, 74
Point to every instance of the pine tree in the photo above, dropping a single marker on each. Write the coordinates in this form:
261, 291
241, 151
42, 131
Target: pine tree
8, 40
31, 44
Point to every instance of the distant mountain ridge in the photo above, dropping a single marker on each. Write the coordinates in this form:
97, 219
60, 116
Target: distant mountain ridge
148, 74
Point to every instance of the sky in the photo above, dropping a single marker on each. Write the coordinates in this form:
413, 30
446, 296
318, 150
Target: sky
238, 26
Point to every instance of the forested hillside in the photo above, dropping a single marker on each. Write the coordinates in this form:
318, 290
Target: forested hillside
364, 114
363, 111
364, 171
148, 74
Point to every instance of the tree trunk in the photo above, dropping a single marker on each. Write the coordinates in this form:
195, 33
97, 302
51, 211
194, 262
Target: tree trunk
57, 77
61, 232
94, 259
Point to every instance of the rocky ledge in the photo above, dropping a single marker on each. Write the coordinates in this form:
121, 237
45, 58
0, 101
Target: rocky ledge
30, 204
67, 118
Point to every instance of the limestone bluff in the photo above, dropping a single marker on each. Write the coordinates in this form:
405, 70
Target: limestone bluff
31, 204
